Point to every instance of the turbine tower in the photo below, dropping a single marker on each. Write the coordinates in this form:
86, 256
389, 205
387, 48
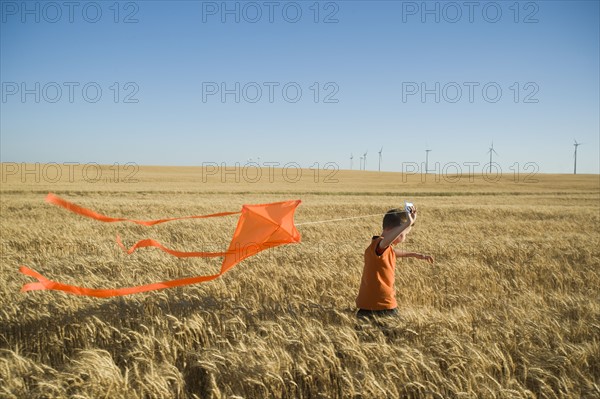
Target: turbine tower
491, 151
365, 158
351, 158
360, 165
380, 158
427, 160
576, 144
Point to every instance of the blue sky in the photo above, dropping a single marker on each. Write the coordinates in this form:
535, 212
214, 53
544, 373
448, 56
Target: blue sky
361, 68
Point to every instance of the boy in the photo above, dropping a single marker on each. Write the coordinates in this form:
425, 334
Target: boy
377, 295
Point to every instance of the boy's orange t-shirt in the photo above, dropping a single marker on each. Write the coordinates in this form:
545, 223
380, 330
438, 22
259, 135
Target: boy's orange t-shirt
377, 290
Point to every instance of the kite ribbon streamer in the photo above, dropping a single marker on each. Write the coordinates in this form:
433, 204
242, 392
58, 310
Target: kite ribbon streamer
45, 284
53, 199
259, 227
153, 243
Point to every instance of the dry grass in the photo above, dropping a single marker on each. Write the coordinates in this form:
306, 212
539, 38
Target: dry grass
511, 309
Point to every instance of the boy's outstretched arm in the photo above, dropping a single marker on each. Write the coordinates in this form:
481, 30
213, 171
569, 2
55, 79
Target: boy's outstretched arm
402, 254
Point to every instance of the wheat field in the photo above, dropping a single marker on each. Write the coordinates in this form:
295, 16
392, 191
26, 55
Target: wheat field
510, 308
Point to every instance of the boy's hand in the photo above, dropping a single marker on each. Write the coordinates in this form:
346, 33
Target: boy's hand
412, 214
428, 258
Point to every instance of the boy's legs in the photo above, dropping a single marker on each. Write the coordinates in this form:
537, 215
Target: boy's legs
364, 313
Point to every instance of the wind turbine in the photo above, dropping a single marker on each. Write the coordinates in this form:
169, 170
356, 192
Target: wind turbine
380, 158
351, 158
360, 164
492, 151
576, 144
427, 160
365, 157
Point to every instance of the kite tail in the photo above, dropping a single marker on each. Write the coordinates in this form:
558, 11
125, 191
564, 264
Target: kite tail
53, 199
45, 284
180, 254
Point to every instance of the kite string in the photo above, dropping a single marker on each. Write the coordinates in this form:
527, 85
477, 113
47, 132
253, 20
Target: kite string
337, 220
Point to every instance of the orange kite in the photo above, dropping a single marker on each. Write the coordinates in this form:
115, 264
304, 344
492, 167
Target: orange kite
259, 227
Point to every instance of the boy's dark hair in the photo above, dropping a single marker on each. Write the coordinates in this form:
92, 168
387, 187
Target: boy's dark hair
394, 218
